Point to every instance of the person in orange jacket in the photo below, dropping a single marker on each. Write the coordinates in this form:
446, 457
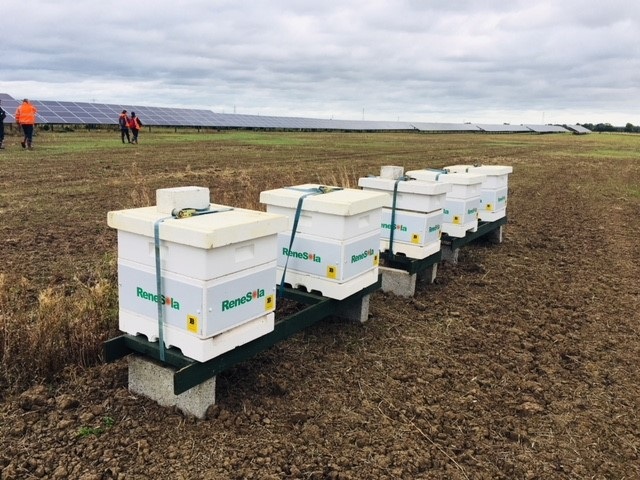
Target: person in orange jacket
134, 125
26, 118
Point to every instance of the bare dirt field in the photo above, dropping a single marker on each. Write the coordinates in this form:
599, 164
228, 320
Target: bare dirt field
520, 362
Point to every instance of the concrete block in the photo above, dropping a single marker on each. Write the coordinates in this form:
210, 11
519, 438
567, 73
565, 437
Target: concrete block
428, 274
398, 282
391, 171
155, 381
354, 311
169, 199
450, 254
496, 236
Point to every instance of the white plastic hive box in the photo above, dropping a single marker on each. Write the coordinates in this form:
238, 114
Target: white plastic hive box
493, 197
333, 260
497, 175
218, 271
413, 195
463, 185
336, 244
462, 203
340, 214
417, 235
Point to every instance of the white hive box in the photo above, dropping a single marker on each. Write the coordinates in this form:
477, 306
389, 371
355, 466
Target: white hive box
463, 185
334, 227
417, 235
340, 214
334, 260
462, 202
497, 175
493, 197
218, 270
414, 195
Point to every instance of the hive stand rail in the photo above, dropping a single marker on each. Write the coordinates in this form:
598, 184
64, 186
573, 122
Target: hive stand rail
190, 373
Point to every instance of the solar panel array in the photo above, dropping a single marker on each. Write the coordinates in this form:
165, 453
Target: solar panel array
446, 127
578, 129
503, 128
85, 113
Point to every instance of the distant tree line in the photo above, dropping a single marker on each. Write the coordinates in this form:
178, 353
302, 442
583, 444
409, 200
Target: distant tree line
607, 127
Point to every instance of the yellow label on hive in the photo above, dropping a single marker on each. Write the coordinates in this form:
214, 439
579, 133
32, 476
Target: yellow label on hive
192, 323
376, 260
489, 207
332, 272
456, 220
270, 302
415, 238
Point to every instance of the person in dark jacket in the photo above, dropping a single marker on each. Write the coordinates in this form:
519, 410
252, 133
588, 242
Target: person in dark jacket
3, 115
134, 124
123, 122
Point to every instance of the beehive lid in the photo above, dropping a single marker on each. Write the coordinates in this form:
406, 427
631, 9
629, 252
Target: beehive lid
458, 168
419, 187
212, 230
483, 169
344, 202
453, 178
493, 169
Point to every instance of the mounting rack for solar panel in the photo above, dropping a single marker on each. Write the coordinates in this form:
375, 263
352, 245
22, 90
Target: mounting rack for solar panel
191, 373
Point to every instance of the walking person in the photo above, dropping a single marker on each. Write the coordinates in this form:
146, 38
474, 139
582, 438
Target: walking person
123, 121
26, 118
3, 115
134, 125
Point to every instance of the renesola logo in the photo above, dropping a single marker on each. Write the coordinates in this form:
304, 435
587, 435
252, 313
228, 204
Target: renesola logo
502, 199
362, 256
152, 297
236, 302
402, 228
435, 228
471, 211
312, 257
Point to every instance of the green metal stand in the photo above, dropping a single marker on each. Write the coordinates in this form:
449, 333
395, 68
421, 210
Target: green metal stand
408, 264
191, 373
483, 229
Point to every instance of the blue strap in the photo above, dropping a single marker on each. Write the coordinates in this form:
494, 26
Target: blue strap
309, 192
404, 178
156, 241
176, 214
439, 170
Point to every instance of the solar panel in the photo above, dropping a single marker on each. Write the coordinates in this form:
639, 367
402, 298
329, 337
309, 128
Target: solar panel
503, 128
578, 129
546, 128
446, 127
78, 113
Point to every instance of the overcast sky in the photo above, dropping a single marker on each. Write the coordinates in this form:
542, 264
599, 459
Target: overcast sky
494, 61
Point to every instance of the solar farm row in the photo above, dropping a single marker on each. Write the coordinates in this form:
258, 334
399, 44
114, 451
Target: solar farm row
85, 113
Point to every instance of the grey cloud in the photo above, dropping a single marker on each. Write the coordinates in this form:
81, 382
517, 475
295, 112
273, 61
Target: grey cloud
401, 58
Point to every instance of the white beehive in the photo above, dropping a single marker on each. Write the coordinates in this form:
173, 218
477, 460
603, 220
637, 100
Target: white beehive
493, 197
218, 273
416, 234
418, 213
462, 202
333, 260
463, 185
334, 227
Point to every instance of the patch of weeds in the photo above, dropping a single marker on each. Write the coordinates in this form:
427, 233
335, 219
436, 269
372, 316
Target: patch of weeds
107, 423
